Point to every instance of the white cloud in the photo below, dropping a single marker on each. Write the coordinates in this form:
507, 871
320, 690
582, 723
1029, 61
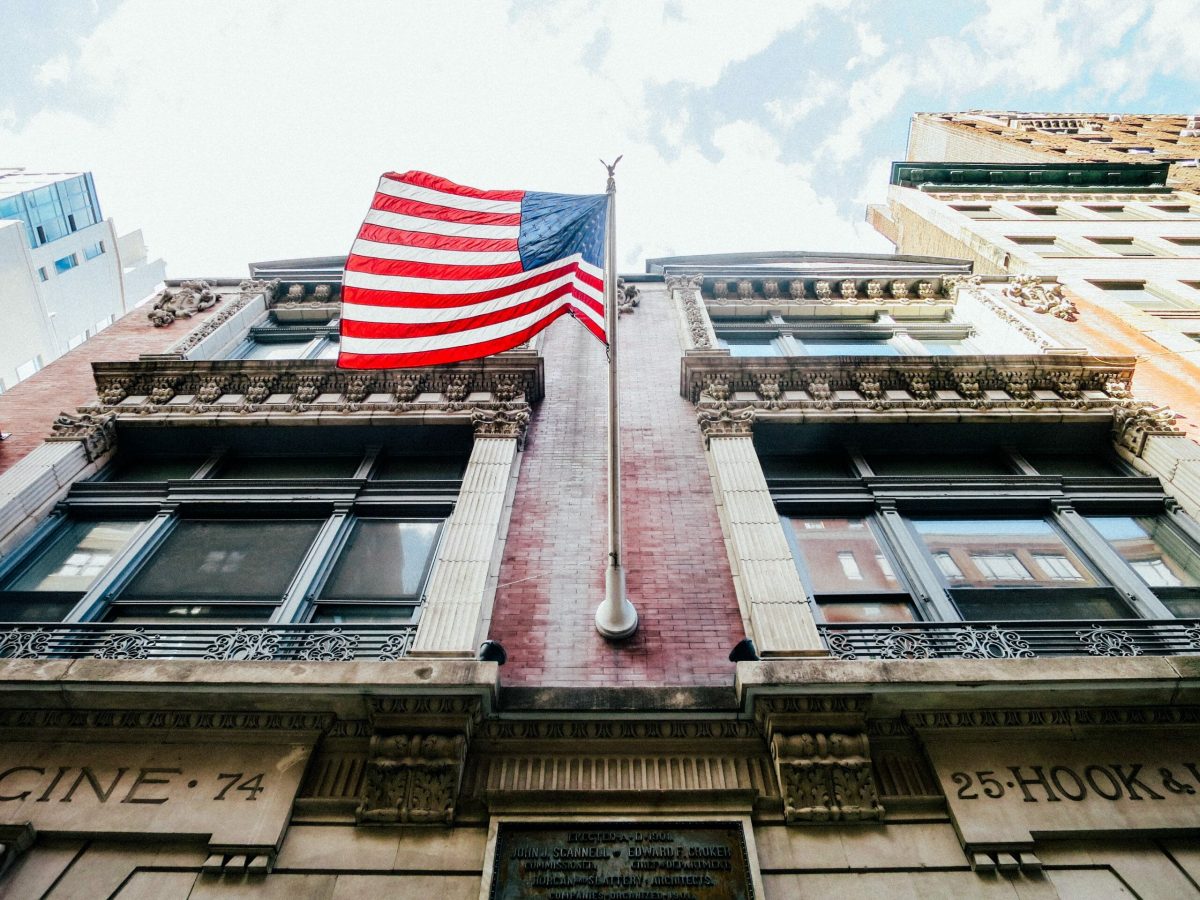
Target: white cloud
53, 71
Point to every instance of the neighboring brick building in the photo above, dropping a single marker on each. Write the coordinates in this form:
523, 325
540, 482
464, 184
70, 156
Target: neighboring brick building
246, 593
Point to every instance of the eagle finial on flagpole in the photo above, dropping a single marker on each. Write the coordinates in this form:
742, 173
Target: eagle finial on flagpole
612, 168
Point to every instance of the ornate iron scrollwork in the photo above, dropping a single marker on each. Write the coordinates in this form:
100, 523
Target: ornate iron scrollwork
840, 646
1108, 642
134, 644
241, 644
18, 644
991, 643
900, 644
397, 645
329, 646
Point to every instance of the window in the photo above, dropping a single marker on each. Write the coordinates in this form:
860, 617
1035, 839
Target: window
52, 577
300, 340
1043, 246
77, 340
43, 275
1115, 212
975, 557
1123, 245
91, 251
1174, 209
1045, 212
876, 336
972, 211
1136, 294
1190, 242
256, 534
66, 263
29, 368
847, 571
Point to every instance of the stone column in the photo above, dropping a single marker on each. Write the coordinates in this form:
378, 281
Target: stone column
764, 572
459, 588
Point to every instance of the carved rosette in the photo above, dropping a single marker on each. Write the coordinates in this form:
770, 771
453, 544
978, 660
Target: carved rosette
413, 779
826, 777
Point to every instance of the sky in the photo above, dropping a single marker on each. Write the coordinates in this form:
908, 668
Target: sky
233, 131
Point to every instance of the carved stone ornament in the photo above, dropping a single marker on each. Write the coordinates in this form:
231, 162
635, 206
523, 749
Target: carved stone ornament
1031, 292
412, 779
721, 421
826, 777
695, 316
628, 296
97, 431
183, 302
247, 291
1136, 420
508, 422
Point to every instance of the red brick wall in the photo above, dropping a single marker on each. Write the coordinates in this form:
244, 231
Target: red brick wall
28, 410
552, 576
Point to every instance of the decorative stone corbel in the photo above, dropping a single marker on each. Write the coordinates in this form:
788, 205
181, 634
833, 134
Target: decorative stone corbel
628, 296
1136, 420
1029, 291
97, 432
699, 328
413, 779
826, 777
721, 421
510, 422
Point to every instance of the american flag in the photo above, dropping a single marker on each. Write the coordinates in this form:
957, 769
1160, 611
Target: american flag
442, 273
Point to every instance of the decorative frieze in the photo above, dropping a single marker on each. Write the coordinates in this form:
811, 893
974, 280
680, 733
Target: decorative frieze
823, 291
826, 777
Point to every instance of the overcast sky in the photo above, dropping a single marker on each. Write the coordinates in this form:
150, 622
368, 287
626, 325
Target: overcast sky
240, 130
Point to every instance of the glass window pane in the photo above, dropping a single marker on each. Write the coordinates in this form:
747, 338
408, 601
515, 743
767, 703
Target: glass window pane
327, 350
842, 556
157, 469
384, 559
272, 467
166, 614
849, 348
223, 560
390, 614
1000, 605
749, 344
938, 464
76, 557
277, 349
806, 465
1074, 465
866, 611
1000, 552
1155, 550
947, 347
420, 468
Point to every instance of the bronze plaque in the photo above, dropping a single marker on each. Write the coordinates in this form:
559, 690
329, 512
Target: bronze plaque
600, 861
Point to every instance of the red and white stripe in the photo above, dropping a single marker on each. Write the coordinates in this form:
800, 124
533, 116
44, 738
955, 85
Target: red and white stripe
435, 277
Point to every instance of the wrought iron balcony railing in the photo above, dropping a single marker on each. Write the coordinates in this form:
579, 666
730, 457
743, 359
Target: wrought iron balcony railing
1013, 640
101, 640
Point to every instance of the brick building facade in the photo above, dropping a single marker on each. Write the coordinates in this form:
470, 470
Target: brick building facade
246, 593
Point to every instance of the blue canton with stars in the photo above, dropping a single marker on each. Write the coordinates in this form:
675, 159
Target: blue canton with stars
557, 225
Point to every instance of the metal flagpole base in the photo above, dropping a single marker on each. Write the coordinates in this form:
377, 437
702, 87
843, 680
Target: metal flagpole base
616, 618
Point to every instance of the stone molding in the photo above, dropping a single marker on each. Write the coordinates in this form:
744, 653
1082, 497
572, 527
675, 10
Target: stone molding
826, 777
1056, 718
852, 291
247, 291
699, 333
41, 720
1046, 197
14, 841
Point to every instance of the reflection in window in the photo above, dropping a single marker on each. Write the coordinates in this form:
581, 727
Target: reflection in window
218, 570
847, 572
76, 557
380, 573
849, 348
1057, 566
749, 345
991, 551
1159, 554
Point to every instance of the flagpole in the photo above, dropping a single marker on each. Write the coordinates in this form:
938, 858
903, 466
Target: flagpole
616, 617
